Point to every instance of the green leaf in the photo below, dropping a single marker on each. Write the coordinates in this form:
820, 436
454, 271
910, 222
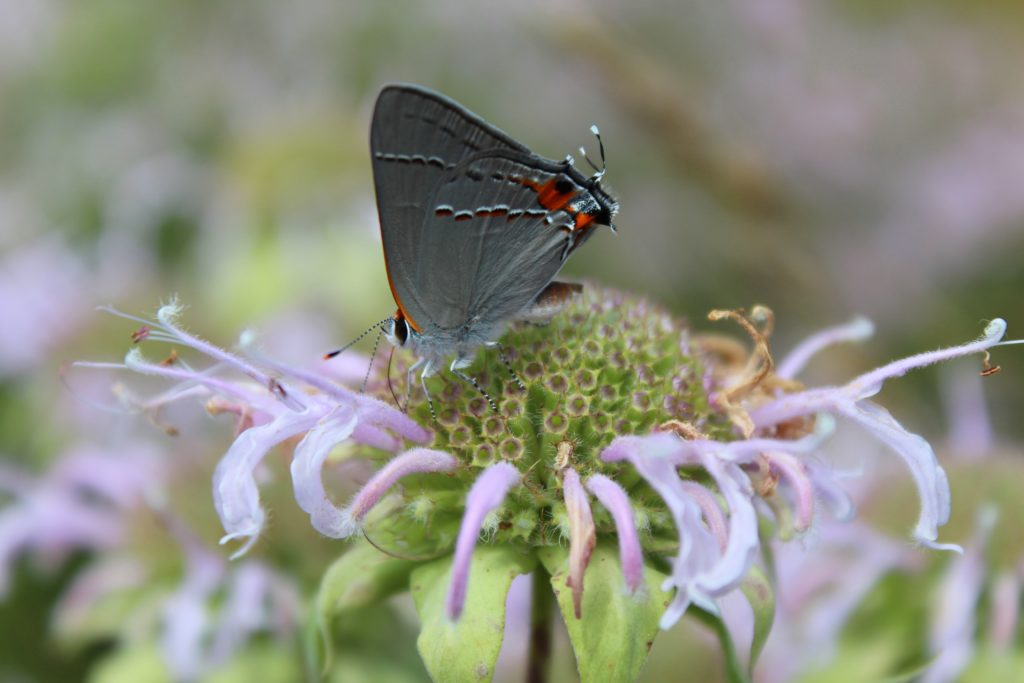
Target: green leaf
132, 664
467, 649
616, 631
361, 577
761, 596
263, 662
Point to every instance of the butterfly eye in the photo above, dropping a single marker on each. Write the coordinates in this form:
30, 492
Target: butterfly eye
400, 331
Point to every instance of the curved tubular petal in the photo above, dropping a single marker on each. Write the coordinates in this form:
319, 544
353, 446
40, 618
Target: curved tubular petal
857, 329
487, 493
917, 453
306, 468
582, 536
415, 461
614, 499
235, 494
796, 474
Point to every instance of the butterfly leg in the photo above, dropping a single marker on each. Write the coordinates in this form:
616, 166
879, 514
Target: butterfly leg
408, 379
456, 369
506, 361
428, 371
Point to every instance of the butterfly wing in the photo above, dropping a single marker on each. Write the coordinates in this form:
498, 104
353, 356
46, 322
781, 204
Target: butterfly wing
416, 138
497, 229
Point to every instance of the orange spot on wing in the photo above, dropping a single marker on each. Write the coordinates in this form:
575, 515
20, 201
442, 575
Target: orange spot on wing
548, 194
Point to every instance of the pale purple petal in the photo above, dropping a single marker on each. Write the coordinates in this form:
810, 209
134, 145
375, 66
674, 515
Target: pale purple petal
582, 535
383, 415
307, 465
823, 481
857, 329
698, 548
1005, 618
186, 620
415, 461
243, 612
818, 590
43, 293
952, 632
664, 445
729, 569
710, 509
487, 493
258, 600
615, 500
930, 478
235, 494
808, 402
375, 437
682, 452
870, 383
515, 644
53, 523
120, 479
796, 475
108, 576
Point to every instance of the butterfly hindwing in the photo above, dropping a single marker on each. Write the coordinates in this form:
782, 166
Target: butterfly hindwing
489, 243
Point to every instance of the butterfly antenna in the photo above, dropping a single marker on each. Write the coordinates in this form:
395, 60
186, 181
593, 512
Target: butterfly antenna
373, 357
346, 347
598, 171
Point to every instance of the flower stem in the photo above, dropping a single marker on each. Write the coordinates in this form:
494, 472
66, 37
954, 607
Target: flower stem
540, 628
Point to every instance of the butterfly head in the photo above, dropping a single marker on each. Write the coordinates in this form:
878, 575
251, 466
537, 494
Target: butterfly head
396, 329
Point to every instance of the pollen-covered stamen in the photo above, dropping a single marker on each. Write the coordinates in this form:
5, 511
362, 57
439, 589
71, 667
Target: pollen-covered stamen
582, 535
615, 500
135, 361
369, 409
487, 493
168, 317
167, 330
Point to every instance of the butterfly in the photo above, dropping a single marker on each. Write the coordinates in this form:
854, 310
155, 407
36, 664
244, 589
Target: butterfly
475, 226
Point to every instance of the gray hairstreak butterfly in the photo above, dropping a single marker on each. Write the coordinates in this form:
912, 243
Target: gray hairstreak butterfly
475, 226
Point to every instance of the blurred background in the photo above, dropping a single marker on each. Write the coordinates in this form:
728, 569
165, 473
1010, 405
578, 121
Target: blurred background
823, 158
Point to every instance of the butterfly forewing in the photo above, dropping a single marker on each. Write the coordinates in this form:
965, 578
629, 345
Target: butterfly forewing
416, 137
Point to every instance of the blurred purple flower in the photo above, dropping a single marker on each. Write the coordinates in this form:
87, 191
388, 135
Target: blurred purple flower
80, 504
951, 639
42, 300
819, 586
256, 599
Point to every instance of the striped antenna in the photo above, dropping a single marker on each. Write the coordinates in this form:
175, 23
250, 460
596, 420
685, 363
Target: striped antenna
346, 347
